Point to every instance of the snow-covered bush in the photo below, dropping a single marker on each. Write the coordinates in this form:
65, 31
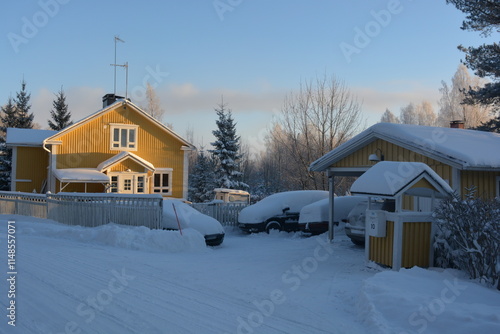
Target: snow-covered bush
468, 237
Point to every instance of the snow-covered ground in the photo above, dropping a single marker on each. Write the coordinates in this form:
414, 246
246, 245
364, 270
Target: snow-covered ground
116, 279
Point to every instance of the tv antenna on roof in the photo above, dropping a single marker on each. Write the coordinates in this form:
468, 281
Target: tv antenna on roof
118, 39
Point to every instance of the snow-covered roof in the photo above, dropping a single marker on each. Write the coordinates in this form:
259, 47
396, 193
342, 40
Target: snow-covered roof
234, 191
464, 149
123, 156
111, 107
390, 179
27, 137
83, 175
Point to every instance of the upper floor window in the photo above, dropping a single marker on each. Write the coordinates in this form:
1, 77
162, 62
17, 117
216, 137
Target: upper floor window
124, 137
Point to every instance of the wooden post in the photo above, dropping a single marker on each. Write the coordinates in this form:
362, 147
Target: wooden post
331, 205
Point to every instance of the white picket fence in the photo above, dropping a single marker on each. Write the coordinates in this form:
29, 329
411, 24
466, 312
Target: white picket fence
225, 213
86, 209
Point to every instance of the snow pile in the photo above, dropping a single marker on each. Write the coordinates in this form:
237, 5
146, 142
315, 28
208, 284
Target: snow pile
273, 205
128, 237
426, 301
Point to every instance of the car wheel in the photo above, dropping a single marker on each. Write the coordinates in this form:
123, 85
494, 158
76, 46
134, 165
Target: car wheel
273, 225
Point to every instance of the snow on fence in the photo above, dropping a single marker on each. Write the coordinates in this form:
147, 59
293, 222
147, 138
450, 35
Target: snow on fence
26, 204
86, 209
225, 213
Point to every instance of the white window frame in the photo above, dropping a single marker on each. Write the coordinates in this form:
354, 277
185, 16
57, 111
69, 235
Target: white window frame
160, 189
116, 144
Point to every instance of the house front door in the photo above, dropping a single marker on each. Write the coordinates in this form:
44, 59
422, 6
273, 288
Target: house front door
128, 183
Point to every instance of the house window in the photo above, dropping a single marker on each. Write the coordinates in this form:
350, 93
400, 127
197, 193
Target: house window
114, 184
124, 137
162, 182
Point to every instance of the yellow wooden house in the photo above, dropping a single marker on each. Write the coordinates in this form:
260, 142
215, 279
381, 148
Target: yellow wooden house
464, 159
118, 149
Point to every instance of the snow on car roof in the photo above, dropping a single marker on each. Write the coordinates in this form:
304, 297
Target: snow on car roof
273, 205
27, 137
463, 148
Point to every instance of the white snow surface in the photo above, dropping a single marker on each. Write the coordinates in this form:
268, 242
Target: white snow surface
273, 205
96, 280
388, 178
469, 148
319, 211
80, 174
27, 137
188, 217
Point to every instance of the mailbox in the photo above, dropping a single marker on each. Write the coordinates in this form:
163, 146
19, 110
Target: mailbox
376, 223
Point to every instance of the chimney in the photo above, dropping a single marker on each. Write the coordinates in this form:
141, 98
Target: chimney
458, 124
109, 99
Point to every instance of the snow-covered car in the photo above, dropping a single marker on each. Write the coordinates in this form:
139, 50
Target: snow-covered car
188, 217
355, 226
314, 217
278, 211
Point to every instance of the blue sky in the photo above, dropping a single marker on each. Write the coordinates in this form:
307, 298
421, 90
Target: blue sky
253, 52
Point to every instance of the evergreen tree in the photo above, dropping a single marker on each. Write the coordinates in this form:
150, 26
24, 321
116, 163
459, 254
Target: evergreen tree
22, 102
225, 152
484, 60
493, 125
60, 114
202, 179
8, 119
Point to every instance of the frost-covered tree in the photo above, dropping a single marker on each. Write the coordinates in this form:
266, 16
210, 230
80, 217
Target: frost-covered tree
226, 150
8, 119
23, 106
153, 106
420, 114
451, 106
484, 60
61, 116
389, 117
202, 179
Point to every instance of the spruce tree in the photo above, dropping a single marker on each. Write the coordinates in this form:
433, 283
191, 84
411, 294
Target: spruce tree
8, 119
226, 150
202, 179
23, 106
61, 116
484, 60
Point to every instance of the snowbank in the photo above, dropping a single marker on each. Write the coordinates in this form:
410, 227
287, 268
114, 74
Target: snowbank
417, 300
129, 237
